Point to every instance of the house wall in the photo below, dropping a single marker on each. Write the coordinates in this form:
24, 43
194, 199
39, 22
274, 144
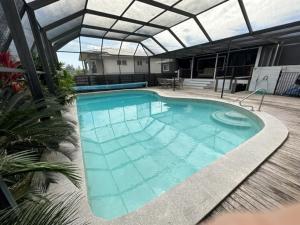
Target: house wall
155, 65
111, 65
141, 68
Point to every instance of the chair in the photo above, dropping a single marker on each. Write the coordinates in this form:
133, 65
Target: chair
164, 82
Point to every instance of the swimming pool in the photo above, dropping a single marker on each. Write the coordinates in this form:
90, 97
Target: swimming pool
138, 145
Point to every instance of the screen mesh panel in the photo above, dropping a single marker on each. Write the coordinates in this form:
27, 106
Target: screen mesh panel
72, 46
90, 44
196, 6
64, 27
168, 19
141, 11
128, 48
153, 46
135, 38
94, 32
98, 21
148, 30
168, 41
111, 47
126, 26
225, 20
220, 19
272, 13
140, 51
58, 10
70, 60
147, 52
189, 33
115, 7
116, 35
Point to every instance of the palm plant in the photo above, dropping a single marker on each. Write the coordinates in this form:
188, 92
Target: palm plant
37, 126
27, 161
54, 210
34, 125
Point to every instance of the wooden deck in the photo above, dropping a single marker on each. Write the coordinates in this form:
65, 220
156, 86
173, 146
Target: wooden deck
277, 181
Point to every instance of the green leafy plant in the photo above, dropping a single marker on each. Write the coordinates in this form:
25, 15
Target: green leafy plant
26, 161
28, 130
36, 126
39, 126
48, 209
66, 83
51, 210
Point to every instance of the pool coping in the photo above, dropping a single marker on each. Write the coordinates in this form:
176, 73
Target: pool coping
190, 201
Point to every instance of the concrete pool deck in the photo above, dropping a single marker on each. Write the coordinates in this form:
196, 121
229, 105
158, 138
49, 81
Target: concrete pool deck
193, 199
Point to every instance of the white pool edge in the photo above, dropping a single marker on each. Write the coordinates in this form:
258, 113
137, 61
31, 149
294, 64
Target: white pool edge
188, 202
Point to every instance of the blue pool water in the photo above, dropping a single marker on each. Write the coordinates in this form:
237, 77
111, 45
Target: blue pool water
137, 145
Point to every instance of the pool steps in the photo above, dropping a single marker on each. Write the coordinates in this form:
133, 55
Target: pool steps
231, 118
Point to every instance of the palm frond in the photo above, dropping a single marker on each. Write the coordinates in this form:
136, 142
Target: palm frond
37, 125
26, 161
54, 210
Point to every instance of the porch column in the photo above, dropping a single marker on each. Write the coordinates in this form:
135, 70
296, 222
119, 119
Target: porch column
192, 66
15, 25
258, 56
275, 55
226, 69
216, 66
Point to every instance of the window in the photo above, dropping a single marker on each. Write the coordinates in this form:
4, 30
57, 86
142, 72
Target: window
166, 67
139, 62
122, 62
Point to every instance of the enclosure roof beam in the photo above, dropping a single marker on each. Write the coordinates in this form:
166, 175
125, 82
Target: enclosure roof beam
65, 41
64, 20
202, 29
157, 42
40, 3
113, 39
6, 44
144, 46
93, 12
177, 38
167, 7
245, 15
116, 31
77, 28
15, 26
40, 48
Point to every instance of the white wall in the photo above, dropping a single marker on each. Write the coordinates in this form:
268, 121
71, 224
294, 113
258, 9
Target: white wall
141, 68
259, 78
129, 68
272, 72
110, 65
226, 86
155, 65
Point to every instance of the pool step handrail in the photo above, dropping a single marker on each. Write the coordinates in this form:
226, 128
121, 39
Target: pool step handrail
264, 91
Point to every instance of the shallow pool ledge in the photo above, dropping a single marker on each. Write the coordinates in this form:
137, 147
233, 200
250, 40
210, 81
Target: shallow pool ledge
188, 202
